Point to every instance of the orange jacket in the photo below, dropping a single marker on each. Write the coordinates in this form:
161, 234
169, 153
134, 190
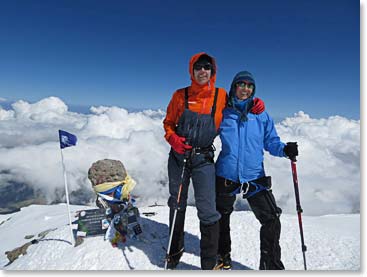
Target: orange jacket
201, 98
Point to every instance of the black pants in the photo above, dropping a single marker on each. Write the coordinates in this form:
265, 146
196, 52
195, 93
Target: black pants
266, 211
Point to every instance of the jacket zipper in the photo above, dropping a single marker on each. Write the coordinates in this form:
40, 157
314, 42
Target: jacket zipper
239, 147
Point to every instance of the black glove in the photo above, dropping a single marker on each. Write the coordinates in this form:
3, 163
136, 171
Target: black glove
291, 150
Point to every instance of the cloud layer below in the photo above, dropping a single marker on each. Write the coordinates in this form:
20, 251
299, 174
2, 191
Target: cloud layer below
328, 165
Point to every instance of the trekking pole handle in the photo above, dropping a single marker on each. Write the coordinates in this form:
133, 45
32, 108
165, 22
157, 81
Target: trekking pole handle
187, 152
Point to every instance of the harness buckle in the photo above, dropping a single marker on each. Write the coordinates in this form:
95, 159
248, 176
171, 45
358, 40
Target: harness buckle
245, 191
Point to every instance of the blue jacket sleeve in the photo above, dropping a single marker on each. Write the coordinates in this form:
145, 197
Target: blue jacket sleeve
272, 142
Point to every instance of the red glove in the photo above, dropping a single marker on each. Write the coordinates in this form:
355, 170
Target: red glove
259, 106
178, 144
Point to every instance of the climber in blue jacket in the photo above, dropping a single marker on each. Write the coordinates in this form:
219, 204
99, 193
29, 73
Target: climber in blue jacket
240, 169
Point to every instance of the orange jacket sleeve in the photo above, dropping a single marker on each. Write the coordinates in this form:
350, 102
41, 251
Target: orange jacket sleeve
221, 104
174, 110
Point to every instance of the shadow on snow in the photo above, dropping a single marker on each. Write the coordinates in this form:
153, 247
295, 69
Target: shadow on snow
155, 241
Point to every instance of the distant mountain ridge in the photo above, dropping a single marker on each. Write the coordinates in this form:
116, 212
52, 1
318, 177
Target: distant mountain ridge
14, 196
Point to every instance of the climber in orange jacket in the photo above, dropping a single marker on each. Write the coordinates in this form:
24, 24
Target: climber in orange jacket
191, 125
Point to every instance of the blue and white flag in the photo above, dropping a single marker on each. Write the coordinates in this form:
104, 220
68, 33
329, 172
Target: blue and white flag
66, 139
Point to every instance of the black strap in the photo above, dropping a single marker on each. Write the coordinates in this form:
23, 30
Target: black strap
214, 102
186, 97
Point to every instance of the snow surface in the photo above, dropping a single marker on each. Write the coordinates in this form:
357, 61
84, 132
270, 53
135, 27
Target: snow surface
333, 242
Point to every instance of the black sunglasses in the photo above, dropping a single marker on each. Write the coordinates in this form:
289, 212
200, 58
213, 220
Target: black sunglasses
244, 84
206, 66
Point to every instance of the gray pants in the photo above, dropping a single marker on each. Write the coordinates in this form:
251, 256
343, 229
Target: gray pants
202, 172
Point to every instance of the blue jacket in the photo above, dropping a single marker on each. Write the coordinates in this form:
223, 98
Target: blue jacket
243, 142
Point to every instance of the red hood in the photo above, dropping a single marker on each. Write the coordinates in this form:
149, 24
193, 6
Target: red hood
196, 88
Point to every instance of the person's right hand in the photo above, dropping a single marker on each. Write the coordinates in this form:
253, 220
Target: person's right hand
178, 144
258, 107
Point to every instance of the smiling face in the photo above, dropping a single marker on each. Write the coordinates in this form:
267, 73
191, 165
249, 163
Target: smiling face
244, 90
202, 73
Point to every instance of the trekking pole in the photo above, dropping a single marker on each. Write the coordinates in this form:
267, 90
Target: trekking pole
299, 209
186, 156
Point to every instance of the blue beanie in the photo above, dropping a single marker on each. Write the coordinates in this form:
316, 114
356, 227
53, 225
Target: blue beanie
241, 76
244, 76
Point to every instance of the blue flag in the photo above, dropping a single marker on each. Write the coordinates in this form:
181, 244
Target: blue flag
66, 139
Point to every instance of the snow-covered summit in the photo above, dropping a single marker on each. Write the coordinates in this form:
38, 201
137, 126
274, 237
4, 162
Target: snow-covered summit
333, 242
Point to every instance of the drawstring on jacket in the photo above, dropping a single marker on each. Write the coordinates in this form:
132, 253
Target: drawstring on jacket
243, 107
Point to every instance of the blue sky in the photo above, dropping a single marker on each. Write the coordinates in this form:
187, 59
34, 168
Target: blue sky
305, 55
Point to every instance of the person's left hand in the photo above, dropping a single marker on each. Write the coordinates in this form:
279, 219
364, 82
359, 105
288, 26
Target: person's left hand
259, 106
291, 150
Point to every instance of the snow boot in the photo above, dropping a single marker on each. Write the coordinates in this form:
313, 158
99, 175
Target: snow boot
224, 262
209, 245
224, 243
225, 207
266, 211
174, 259
177, 245
267, 263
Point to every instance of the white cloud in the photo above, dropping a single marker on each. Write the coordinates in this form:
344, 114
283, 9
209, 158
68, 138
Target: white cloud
328, 166
30, 154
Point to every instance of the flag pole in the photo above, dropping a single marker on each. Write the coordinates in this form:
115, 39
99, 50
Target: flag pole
67, 197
